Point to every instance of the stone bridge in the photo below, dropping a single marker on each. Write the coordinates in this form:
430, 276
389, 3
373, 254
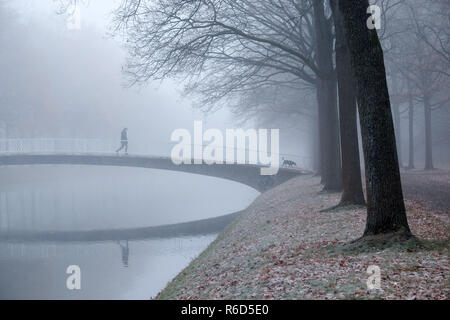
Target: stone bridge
249, 175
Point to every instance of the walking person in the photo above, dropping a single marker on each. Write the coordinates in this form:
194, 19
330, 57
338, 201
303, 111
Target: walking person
123, 141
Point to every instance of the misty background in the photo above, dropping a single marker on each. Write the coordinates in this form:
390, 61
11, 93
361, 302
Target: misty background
61, 83
58, 83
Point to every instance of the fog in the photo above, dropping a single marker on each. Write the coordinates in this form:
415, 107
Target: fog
71, 81
69, 84
90, 99
62, 83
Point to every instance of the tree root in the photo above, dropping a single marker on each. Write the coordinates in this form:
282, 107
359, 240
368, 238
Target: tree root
402, 241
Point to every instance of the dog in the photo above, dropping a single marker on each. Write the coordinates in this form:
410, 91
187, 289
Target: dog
289, 163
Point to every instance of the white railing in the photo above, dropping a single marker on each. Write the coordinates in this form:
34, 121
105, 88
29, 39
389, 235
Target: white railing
77, 146
104, 146
54, 145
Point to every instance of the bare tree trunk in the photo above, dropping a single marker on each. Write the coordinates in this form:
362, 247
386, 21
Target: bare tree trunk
322, 133
351, 170
327, 99
386, 212
397, 122
316, 151
428, 137
411, 133
398, 132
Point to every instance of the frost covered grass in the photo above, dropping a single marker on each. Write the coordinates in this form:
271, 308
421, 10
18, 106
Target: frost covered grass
286, 246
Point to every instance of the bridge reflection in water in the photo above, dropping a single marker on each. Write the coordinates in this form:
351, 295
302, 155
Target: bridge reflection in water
123, 237
194, 228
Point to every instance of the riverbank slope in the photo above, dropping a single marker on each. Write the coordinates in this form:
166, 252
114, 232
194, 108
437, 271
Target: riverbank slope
285, 247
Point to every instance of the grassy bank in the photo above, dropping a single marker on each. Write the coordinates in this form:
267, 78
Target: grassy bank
285, 247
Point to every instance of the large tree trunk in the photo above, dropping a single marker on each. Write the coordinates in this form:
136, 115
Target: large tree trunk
411, 133
327, 98
386, 212
428, 138
351, 170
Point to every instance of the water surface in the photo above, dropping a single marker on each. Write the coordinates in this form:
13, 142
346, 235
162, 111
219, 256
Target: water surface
77, 198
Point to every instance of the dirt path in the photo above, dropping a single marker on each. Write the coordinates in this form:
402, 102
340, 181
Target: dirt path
279, 249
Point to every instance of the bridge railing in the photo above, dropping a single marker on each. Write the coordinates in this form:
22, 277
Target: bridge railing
55, 145
105, 146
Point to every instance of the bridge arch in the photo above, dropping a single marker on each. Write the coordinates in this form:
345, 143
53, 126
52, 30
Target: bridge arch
249, 175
